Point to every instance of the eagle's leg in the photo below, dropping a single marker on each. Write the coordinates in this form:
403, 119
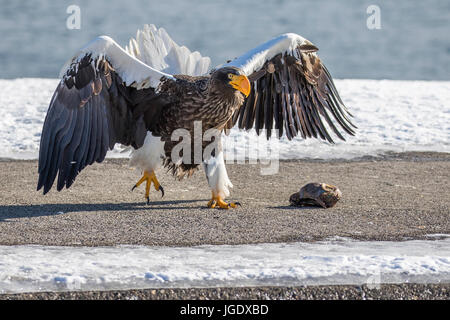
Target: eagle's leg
149, 177
148, 158
217, 201
216, 174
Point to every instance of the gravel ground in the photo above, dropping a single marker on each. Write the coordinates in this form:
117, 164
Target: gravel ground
392, 198
385, 291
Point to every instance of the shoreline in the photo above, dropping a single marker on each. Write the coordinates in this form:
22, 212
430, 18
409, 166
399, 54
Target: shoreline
382, 156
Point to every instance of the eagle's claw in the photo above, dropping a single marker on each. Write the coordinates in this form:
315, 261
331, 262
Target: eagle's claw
218, 202
149, 177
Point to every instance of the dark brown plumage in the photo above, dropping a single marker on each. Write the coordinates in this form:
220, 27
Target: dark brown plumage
94, 107
291, 95
210, 100
124, 114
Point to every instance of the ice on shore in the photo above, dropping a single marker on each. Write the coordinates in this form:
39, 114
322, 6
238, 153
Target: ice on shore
31, 268
391, 116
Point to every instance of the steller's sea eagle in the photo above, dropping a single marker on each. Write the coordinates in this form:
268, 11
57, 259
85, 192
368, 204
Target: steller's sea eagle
139, 96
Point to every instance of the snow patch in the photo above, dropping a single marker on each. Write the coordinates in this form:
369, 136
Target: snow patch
32, 268
391, 115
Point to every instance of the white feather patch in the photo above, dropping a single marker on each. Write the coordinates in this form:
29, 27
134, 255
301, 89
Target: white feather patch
217, 176
149, 157
156, 48
130, 69
254, 59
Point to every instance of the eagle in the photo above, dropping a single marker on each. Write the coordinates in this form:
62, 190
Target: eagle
142, 95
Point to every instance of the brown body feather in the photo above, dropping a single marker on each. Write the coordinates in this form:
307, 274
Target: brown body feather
196, 99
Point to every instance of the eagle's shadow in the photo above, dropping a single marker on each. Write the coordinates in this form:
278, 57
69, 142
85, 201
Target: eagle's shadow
53, 209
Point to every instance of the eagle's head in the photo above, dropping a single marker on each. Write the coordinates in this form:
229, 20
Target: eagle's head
230, 81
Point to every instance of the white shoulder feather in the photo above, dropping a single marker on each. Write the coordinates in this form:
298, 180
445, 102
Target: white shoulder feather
254, 59
131, 70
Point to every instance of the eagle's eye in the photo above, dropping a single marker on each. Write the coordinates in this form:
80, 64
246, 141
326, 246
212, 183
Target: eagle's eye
230, 76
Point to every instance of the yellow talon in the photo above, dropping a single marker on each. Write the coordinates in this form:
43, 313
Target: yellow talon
217, 201
149, 177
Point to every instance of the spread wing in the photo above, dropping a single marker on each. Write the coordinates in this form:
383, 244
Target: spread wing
106, 96
292, 91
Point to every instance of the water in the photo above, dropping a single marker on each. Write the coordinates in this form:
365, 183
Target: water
413, 42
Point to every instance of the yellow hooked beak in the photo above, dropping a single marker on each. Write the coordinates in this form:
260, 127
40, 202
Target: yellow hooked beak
240, 83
